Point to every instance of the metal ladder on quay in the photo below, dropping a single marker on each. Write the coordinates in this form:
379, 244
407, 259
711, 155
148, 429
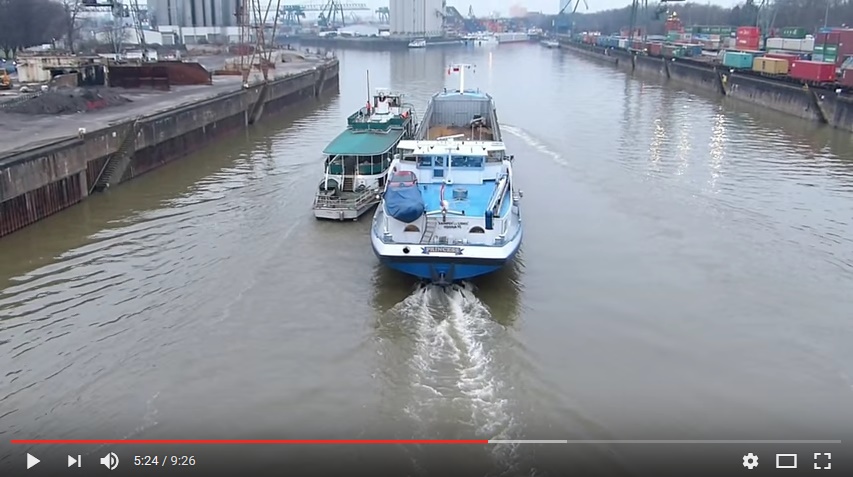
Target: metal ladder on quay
117, 162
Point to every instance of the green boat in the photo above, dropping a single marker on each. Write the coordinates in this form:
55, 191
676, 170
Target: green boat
357, 161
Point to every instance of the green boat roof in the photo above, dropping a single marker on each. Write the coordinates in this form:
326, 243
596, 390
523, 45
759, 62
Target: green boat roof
363, 143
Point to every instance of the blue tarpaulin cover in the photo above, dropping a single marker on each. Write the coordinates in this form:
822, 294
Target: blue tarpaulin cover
404, 203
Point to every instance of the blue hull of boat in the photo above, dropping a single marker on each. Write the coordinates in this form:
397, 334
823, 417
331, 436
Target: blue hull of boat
442, 270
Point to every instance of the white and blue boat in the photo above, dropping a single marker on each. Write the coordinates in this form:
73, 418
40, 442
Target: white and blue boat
450, 207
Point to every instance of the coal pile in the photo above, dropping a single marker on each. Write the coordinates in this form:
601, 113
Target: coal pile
68, 101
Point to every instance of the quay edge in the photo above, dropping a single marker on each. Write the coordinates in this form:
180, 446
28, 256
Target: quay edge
810, 103
40, 180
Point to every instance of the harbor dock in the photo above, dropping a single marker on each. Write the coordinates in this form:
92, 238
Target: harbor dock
51, 162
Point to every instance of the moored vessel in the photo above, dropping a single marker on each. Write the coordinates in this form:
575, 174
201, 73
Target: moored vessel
450, 209
419, 43
357, 160
512, 37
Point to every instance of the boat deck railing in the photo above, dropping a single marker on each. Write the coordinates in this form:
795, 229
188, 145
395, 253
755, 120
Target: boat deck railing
345, 203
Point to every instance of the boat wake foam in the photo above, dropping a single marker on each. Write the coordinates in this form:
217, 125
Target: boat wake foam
535, 143
454, 371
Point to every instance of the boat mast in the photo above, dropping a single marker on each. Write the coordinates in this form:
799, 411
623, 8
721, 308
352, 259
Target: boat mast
460, 68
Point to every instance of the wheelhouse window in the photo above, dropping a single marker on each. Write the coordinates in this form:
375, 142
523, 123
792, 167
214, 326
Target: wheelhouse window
473, 162
424, 161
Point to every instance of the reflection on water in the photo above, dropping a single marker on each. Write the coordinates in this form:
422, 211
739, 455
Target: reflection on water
418, 72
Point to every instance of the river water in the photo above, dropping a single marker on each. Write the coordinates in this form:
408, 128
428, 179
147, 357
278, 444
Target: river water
686, 274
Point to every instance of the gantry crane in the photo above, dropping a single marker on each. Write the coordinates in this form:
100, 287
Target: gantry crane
661, 9
384, 14
563, 21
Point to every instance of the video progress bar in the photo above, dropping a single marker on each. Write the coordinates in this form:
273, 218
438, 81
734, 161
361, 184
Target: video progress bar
665, 441
397, 441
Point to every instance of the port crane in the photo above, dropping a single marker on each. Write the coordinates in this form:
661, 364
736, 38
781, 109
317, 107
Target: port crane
660, 10
384, 15
562, 21
331, 13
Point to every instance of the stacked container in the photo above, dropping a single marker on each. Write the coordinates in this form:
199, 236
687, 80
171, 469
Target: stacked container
826, 47
748, 38
737, 59
770, 66
814, 71
797, 33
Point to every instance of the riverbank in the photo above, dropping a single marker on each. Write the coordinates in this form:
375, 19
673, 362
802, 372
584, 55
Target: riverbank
811, 103
49, 163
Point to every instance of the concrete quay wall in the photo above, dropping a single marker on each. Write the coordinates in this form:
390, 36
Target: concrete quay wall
43, 179
813, 104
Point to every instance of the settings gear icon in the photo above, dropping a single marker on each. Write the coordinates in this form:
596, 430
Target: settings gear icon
750, 461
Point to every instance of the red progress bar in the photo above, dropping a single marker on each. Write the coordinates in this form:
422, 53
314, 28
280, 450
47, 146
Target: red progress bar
245, 441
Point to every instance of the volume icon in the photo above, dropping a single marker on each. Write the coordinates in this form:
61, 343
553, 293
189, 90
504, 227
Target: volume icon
110, 461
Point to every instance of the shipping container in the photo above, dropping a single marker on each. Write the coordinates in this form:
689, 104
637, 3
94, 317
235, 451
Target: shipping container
783, 56
813, 71
737, 59
818, 57
847, 77
775, 44
655, 48
793, 32
748, 43
770, 66
748, 32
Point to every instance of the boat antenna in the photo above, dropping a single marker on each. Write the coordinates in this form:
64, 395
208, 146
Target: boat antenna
368, 91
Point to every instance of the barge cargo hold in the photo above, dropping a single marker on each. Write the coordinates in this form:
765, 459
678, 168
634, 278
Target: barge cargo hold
51, 163
829, 103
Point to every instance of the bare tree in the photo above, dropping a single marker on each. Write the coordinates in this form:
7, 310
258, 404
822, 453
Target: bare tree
115, 35
71, 9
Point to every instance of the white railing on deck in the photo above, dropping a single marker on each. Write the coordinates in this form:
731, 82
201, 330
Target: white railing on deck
324, 202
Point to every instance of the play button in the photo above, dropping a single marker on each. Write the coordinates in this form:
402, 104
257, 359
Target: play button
31, 461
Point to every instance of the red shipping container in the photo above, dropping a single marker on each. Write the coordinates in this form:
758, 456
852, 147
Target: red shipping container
655, 49
747, 43
748, 32
816, 71
782, 56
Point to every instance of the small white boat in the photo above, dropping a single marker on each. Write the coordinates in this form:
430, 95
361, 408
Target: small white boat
550, 43
419, 43
450, 207
357, 161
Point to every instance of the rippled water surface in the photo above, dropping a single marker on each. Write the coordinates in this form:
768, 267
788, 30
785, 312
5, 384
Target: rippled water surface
686, 273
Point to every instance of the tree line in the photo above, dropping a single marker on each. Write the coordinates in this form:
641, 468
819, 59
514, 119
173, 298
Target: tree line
26, 23
811, 14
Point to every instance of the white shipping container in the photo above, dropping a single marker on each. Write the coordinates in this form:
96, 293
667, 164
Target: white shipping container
775, 43
808, 44
791, 44
623, 43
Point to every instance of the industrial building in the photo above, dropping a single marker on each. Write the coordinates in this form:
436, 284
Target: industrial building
423, 18
194, 13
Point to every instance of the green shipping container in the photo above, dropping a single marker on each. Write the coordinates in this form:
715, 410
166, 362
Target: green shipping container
830, 59
831, 49
797, 33
817, 57
688, 30
735, 59
714, 30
